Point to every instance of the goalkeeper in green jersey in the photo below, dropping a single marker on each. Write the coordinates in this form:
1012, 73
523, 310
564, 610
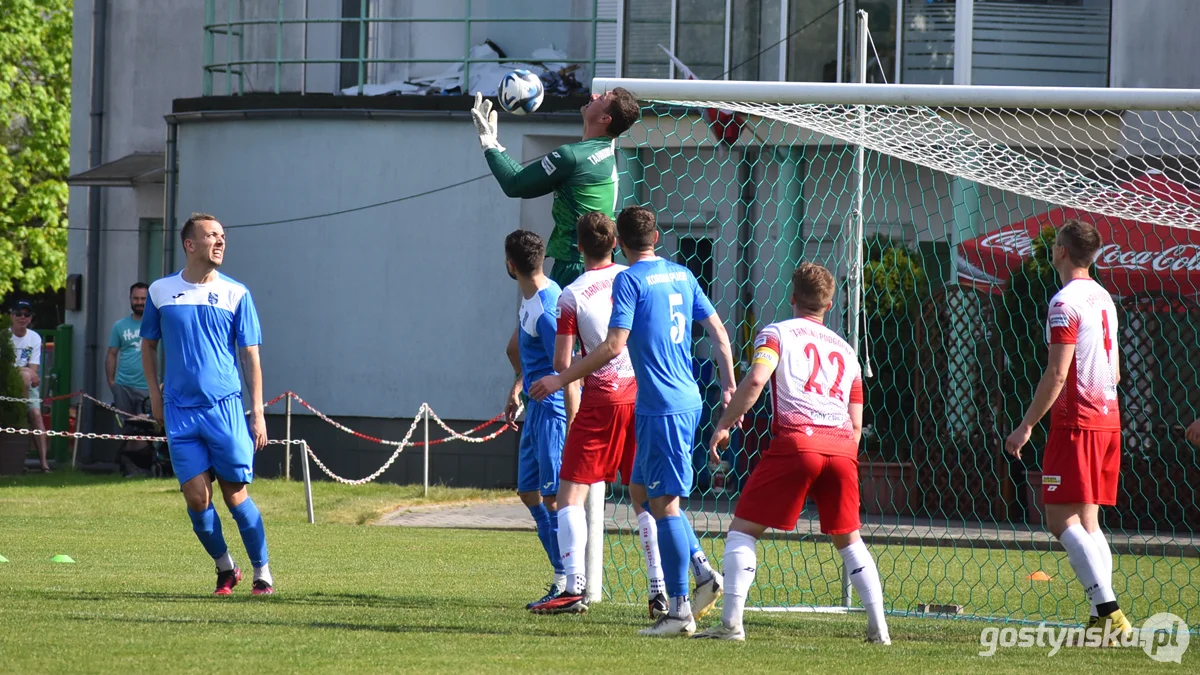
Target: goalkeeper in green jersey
582, 175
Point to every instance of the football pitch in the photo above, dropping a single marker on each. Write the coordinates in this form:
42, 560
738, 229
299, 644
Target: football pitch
357, 598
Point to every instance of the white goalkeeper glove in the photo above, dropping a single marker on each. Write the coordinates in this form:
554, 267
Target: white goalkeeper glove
485, 123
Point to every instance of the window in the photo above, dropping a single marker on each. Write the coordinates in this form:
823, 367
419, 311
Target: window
150, 249
696, 254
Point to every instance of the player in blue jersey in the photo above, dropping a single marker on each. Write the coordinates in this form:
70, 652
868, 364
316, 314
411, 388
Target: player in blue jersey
655, 302
545, 427
203, 320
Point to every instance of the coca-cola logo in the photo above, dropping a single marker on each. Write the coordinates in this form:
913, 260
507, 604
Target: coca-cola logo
1013, 241
1182, 258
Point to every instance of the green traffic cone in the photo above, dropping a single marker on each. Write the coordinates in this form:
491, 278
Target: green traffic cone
60, 558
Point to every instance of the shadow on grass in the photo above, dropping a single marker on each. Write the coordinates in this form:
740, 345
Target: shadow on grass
65, 478
348, 600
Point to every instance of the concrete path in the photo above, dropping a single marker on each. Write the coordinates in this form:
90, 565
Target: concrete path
714, 520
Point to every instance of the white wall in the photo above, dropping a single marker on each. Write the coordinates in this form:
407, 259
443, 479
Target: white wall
1154, 44
155, 55
369, 313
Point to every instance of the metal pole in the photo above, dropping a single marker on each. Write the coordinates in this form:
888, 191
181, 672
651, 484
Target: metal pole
593, 556
855, 277
304, 53
425, 410
784, 12
287, 452
307, 484
964, 40
856, 286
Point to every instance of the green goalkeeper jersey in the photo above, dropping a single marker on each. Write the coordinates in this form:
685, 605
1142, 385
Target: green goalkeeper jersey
583, 178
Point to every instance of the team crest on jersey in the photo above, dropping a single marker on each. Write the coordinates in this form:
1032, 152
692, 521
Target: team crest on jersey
212, 298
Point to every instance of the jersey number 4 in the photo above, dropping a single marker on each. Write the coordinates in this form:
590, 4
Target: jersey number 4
814, 354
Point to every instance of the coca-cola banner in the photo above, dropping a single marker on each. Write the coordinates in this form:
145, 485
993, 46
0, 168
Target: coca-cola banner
1136, 257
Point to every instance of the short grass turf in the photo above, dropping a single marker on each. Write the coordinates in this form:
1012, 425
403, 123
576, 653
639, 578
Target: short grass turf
359, 598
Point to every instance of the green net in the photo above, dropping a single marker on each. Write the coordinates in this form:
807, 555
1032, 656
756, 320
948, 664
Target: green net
954, 283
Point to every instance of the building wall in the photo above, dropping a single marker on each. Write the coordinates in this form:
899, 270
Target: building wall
1153, 44
154, 56
373, 312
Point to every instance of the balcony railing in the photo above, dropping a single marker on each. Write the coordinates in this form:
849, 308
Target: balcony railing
390, 45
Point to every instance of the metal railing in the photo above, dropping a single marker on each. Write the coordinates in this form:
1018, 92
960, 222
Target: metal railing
232, 29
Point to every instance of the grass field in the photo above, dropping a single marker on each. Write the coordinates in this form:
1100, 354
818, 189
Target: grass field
356, 598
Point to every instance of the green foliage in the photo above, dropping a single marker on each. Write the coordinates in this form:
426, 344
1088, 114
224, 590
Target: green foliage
35, 131
12, 413
894, 284
1023, 314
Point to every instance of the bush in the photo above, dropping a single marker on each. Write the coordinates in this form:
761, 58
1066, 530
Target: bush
12, 413
894, 286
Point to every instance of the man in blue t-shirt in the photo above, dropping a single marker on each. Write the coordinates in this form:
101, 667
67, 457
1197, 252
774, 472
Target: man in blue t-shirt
545, 428
655, 302
123, 363
204, 319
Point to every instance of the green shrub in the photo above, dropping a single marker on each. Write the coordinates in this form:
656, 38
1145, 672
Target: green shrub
12, 413
894, 286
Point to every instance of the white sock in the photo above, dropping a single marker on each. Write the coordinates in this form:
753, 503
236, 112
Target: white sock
560, 580
864, 576
1088, 563
680, 607
264, 573
225, 562
648, 531
1106, 562
741, 561
701, 570
572, 538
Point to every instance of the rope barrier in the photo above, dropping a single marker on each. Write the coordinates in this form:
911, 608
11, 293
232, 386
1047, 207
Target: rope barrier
399, 446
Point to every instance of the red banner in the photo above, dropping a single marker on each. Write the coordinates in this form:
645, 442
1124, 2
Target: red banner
1135, 258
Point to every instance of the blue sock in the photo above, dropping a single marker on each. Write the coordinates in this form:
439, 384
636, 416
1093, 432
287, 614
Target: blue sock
693, 541
554, 552
672, 547
541, 516
207, 526
249, 522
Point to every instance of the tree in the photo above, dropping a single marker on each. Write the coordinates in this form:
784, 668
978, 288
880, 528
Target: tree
35, 133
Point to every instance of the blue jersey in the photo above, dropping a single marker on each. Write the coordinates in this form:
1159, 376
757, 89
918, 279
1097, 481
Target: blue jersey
656, 301
201, 327
538, 318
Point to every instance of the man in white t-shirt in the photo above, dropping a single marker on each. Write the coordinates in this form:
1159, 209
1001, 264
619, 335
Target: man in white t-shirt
28, 346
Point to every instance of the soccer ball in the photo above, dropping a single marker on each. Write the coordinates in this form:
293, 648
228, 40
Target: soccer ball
520, 92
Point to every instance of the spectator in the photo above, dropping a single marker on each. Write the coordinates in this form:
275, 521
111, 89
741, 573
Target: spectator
28, 346
124, 362
1193, 433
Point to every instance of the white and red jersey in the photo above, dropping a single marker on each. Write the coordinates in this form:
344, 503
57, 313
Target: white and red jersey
1083, 314
816, 379
584, 309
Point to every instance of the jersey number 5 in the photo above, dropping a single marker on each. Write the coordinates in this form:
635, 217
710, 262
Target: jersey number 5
678, 320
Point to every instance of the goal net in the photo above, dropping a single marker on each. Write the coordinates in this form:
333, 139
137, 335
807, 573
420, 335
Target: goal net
935, 207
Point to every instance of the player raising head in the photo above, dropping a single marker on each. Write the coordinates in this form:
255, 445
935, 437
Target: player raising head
582, 175
205, 321
655, 302
1079, 390
600, 437
816, 425
545, 421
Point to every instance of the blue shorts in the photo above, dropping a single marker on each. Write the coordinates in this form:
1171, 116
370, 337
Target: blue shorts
664, 453
216, 437
540, 458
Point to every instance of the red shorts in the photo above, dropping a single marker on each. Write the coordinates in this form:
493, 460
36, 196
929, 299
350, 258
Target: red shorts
600, 441
1081, 466
774, 496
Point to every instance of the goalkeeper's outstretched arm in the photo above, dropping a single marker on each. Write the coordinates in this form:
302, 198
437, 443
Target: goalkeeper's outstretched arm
520, 182
526, 182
